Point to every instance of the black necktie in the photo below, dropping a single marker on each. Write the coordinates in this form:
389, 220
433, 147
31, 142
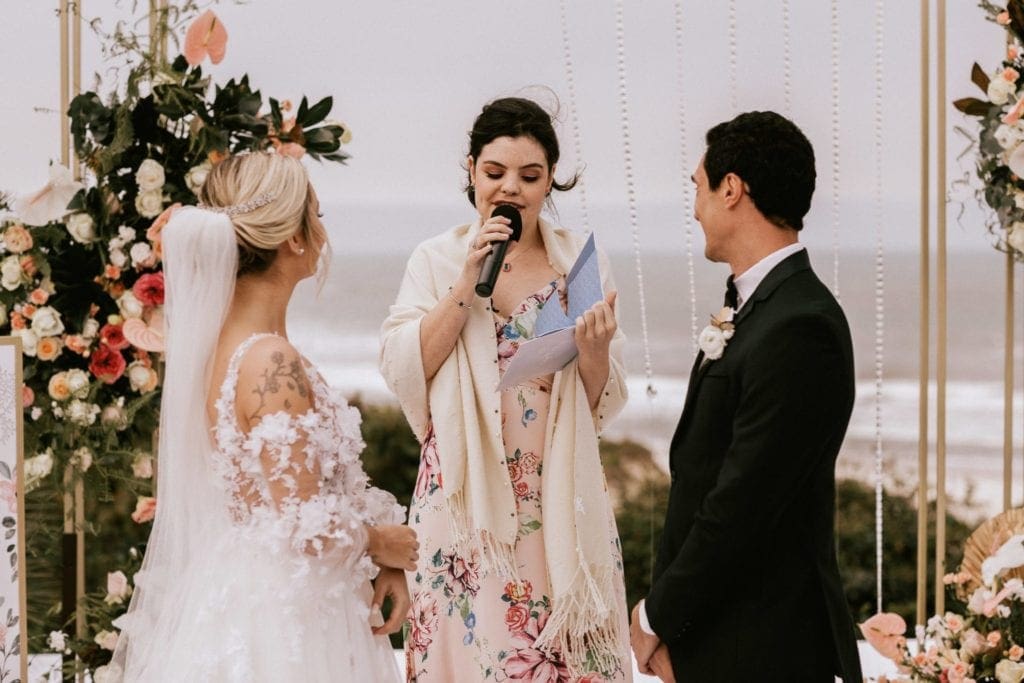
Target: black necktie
730, 293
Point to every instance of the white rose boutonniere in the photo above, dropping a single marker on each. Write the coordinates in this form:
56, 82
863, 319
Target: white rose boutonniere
714, 337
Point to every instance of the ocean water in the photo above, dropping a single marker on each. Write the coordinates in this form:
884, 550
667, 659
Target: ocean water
338, 329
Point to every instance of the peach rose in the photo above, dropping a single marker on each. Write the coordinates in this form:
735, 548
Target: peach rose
1015, 653
994, 637
17, 239
28, 265
28, 397
76, 344
153, 233
38, 296
58, 387
1013, 116
112, 272
28, 310
290, 149
1003, 18
884, 632
145, 510
17, 321
954, 622
48, 348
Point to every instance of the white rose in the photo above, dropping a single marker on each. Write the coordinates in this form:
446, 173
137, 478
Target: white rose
149, 204
1015, 236
711, 342
10, 273
83, 458
1008, 137
57, 641
82, 227
118, 258
114, 416
130, 306
127, 234
138, 375
142, 255
91, 328
117, 588
150, 176
29, 341
1009, 672
142, 466
111, 673
39, 465
46, 322
82, 413
196, 176
78, 383
107, 640
1000, 90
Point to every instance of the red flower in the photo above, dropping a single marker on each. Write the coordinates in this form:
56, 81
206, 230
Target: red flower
521, 489
107, 364
113, 336
149, 289
517, 617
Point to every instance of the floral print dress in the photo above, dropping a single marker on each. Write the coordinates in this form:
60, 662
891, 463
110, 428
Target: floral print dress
466, 624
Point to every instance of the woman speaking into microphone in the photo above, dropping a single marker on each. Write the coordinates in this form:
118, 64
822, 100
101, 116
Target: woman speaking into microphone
520, 572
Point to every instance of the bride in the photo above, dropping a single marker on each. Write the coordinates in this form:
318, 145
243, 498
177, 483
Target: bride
267, 532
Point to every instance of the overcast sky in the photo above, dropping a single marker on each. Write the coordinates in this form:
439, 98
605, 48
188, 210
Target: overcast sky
408, 77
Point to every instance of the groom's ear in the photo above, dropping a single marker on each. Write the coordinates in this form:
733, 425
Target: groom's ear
734, 189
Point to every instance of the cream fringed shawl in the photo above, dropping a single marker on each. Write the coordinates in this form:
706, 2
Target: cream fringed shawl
465, 409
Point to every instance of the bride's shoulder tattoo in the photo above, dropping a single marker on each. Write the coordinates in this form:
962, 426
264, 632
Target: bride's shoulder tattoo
282, 374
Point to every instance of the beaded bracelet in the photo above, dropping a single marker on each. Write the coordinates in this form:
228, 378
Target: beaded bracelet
460, 304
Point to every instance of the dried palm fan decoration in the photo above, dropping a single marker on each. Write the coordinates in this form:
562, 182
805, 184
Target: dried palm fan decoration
985, 541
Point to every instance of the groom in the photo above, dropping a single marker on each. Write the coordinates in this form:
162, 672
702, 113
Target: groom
746, 586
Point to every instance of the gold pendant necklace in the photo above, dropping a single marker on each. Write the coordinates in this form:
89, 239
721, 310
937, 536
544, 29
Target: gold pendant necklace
507, 265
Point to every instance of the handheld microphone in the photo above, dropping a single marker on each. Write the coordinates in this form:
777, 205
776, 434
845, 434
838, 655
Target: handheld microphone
492, 264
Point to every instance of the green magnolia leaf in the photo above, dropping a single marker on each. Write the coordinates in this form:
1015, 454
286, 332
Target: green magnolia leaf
972, 106
317, 113
300, 115
980, 78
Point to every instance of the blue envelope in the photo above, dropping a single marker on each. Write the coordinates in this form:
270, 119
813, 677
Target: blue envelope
553, 344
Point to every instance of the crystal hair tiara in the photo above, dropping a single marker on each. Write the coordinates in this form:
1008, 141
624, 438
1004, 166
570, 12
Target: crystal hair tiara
245, 207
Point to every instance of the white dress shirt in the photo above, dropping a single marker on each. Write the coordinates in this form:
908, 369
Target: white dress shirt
751, 277
745, 284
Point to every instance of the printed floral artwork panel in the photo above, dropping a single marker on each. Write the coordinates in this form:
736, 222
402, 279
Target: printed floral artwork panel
13, 660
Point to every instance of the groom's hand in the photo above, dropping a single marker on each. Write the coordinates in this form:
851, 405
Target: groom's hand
391, 583
661, 664
644, 644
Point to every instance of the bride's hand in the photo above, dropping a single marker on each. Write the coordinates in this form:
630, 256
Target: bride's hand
393, 545
391, 582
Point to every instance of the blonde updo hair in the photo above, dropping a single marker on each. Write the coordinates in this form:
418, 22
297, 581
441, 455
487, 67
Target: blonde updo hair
260, 232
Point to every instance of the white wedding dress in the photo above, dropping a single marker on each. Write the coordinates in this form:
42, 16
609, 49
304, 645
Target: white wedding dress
284, 595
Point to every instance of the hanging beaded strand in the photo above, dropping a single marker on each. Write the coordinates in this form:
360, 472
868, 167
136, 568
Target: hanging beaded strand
787, 61
627, 152
879, 293
733, 51
834, 24
574, 113
687, 189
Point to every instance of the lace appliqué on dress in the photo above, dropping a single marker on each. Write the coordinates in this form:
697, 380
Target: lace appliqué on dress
322, 526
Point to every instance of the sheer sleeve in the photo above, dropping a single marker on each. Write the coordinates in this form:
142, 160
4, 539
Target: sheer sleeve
317, 487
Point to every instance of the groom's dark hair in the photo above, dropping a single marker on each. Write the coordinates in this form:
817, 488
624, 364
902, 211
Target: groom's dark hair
772, 156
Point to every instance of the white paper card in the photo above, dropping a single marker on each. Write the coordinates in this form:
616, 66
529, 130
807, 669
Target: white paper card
554, 344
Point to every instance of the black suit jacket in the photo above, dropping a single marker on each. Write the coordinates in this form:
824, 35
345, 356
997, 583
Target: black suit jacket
746, 584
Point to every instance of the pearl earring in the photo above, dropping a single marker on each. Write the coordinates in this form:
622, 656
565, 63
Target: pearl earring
302, 250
